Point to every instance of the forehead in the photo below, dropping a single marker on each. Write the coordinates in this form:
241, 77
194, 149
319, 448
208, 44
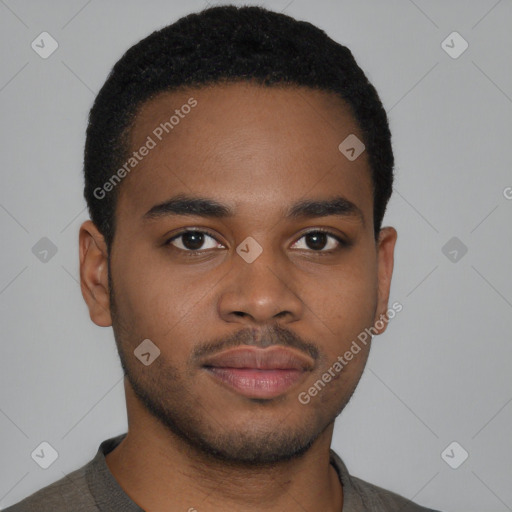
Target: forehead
245, 145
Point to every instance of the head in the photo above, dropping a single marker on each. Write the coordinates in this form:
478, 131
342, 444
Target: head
224, 214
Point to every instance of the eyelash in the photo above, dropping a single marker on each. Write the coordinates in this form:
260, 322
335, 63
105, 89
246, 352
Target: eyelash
198, 252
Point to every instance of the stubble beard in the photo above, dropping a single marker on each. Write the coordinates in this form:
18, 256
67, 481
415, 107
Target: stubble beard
167, 397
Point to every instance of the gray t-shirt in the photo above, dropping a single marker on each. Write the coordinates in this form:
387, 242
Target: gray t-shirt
93, 488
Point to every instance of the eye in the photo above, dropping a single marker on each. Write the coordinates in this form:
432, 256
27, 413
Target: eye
193, 240
320, 241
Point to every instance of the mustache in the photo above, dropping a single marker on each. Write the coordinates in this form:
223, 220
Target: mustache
257, 337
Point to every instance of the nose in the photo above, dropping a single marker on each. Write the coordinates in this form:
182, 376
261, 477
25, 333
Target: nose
260, 292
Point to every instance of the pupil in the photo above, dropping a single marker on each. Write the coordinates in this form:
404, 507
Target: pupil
318, 240
193, 241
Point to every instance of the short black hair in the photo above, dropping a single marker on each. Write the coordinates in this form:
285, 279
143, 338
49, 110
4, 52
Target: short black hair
219, 44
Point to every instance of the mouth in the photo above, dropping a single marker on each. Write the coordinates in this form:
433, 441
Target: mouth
259, 373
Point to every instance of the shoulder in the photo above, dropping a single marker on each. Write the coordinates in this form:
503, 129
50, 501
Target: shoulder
359, 496
70, 493
381, 500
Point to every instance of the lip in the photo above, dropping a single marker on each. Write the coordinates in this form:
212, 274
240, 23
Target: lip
259, 373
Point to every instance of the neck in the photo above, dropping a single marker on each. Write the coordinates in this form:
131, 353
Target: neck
159, 471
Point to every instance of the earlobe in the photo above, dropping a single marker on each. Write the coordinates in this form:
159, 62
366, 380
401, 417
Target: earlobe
385, 254
94, 273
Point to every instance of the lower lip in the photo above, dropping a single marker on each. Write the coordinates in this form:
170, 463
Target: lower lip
255, 383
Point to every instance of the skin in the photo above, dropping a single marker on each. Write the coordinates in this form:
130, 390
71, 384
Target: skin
192, 442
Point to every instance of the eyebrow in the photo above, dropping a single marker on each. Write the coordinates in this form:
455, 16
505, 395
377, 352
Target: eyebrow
210, 208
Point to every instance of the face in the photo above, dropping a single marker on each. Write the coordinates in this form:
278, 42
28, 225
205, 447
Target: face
245, 251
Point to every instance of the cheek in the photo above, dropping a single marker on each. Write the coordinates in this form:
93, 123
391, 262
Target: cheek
347, 296
346, 304
142, 295
157, 300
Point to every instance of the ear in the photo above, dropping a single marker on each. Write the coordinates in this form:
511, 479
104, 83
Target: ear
385, 255
94, 273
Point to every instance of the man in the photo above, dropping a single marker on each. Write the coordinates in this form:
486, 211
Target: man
237, 167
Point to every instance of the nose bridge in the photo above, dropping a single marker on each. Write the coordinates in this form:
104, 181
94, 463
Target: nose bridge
260, 288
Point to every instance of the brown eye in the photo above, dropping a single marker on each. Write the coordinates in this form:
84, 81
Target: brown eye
316, 241
320, 241
193, 240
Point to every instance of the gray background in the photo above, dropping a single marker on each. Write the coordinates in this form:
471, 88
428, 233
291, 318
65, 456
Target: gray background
440, 373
